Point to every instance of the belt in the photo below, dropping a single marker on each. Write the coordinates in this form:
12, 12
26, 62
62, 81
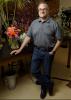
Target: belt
44, 49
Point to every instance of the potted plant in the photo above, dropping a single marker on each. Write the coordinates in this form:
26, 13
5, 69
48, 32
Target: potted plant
11, 76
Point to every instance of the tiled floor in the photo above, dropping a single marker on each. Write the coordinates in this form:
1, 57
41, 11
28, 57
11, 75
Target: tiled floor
26, 89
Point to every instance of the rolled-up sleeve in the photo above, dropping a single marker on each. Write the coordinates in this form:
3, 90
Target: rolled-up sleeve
29, 32
58, 33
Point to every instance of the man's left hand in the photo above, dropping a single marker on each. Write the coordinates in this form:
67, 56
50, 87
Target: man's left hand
51, 53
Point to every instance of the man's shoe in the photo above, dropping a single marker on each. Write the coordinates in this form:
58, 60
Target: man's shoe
43, 93
50, 89
37, 82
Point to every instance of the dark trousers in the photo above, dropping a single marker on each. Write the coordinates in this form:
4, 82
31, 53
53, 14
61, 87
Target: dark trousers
42, 56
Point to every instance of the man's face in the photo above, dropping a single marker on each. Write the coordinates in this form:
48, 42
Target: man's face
43, 10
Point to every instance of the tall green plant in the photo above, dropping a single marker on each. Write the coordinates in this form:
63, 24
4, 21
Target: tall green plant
3, 16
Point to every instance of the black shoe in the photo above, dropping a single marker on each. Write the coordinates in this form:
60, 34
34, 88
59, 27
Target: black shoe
43, 93
50, 89
38, 82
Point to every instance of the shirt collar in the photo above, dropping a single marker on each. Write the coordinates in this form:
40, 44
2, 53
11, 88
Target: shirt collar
47, 20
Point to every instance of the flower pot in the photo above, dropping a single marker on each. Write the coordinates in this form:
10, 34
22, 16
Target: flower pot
10, 80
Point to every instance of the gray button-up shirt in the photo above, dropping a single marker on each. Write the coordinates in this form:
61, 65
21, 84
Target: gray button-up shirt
44, 34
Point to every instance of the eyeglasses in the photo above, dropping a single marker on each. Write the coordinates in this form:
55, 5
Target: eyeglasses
42, 9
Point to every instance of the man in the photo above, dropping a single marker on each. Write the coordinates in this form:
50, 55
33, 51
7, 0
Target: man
46, 37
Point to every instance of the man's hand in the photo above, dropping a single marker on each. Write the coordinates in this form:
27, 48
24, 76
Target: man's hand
51, 53
55, 47
15, 52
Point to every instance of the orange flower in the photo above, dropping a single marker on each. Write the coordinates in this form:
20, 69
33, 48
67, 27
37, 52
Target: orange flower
12, 32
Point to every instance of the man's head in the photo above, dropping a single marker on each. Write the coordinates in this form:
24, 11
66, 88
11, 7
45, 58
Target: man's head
43, 10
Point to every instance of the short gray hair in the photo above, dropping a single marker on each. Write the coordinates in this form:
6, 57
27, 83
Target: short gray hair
42, 2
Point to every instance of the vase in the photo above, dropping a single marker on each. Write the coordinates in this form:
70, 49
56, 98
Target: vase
10, 81
13, 43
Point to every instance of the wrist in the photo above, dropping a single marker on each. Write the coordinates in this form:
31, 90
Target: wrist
20, 49
53, 51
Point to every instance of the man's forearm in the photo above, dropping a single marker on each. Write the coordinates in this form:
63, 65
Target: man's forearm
25, 42
56, 46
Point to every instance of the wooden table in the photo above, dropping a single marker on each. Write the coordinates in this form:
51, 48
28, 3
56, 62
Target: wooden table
11, 60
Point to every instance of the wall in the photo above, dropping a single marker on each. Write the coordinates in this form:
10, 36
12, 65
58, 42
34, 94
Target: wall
53, 6
65, 3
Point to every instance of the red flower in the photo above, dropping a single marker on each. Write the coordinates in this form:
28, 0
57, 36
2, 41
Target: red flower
12, 32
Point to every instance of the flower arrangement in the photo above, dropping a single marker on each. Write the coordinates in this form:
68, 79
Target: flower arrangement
12, 32
13, 36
